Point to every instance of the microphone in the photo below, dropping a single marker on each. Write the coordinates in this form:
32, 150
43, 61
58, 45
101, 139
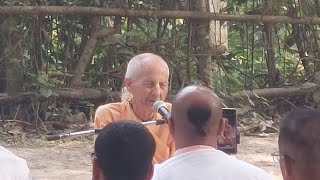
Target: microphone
97, 131
158, 106
161, 108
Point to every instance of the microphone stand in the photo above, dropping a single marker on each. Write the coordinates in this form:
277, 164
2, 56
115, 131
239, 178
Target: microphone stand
96, 131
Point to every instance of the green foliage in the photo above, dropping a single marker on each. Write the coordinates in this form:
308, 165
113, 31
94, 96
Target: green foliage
244, 68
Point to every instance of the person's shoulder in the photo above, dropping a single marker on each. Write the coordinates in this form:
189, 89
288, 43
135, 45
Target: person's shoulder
253, 172
163, 169
156, 172
6, 155
112, 106
169, 164
14, 163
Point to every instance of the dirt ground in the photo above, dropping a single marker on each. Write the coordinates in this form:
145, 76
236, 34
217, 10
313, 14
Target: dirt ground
64, 160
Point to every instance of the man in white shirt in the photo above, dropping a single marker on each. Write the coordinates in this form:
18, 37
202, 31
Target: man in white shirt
196, 122
12, 167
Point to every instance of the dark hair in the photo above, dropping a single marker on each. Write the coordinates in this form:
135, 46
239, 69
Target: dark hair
124, 150
300, 131
199, 116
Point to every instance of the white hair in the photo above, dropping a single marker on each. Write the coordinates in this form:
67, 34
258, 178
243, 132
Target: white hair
134, 65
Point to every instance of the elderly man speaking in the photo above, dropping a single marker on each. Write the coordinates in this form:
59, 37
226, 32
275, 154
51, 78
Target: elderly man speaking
146, 79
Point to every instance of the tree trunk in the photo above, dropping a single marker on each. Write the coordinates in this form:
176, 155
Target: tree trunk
301, 48
88, 51
38, 58
109, 59
66, 93
271, 62
297, 34
316, 37
201, 41
291, 91
13, 58
111, 55
269, 34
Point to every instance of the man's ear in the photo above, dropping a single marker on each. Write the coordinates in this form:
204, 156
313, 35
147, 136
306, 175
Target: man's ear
96, 170
222, 126
171, 124
286, 167
150, 172
128, 84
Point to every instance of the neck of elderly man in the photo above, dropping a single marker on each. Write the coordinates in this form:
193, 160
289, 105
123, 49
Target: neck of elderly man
147, 84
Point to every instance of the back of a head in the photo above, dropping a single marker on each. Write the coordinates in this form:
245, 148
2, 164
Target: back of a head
197, 112
299, 140
124, 150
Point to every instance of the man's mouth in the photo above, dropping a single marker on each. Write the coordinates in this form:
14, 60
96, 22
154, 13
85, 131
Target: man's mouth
153, 101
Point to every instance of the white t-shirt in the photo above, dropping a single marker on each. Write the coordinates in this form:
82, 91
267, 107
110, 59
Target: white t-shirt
12, 167
207, 164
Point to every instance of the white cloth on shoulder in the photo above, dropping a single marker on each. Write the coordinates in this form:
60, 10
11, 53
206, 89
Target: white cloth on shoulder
13, 167
206, 163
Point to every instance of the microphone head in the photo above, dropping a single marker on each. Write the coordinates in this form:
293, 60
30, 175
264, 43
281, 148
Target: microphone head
159, 104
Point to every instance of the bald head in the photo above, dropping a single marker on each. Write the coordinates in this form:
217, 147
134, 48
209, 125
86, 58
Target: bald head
197, 113
139, 63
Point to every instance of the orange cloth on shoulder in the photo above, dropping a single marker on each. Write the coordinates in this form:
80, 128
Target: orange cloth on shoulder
108, 113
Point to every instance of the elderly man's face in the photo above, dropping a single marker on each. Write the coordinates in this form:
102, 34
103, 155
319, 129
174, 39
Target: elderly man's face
150, 85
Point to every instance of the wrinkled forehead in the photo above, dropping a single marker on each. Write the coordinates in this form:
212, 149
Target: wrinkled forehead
148, 62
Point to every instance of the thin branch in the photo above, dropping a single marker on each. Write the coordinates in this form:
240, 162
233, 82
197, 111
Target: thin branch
15, 116
19, 121
79, 10
291, 91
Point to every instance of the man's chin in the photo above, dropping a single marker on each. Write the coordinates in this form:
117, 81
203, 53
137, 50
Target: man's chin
149, 106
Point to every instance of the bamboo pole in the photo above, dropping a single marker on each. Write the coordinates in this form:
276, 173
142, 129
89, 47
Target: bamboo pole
95, 11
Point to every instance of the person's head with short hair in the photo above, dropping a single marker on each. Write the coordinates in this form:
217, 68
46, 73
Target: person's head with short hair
147, 79
299, 144
196, 117
123, 150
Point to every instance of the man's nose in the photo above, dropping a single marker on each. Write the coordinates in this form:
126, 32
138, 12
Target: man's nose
156, 91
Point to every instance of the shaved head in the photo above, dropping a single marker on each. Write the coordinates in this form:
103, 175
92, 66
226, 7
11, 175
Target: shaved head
196, 114
144, 61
